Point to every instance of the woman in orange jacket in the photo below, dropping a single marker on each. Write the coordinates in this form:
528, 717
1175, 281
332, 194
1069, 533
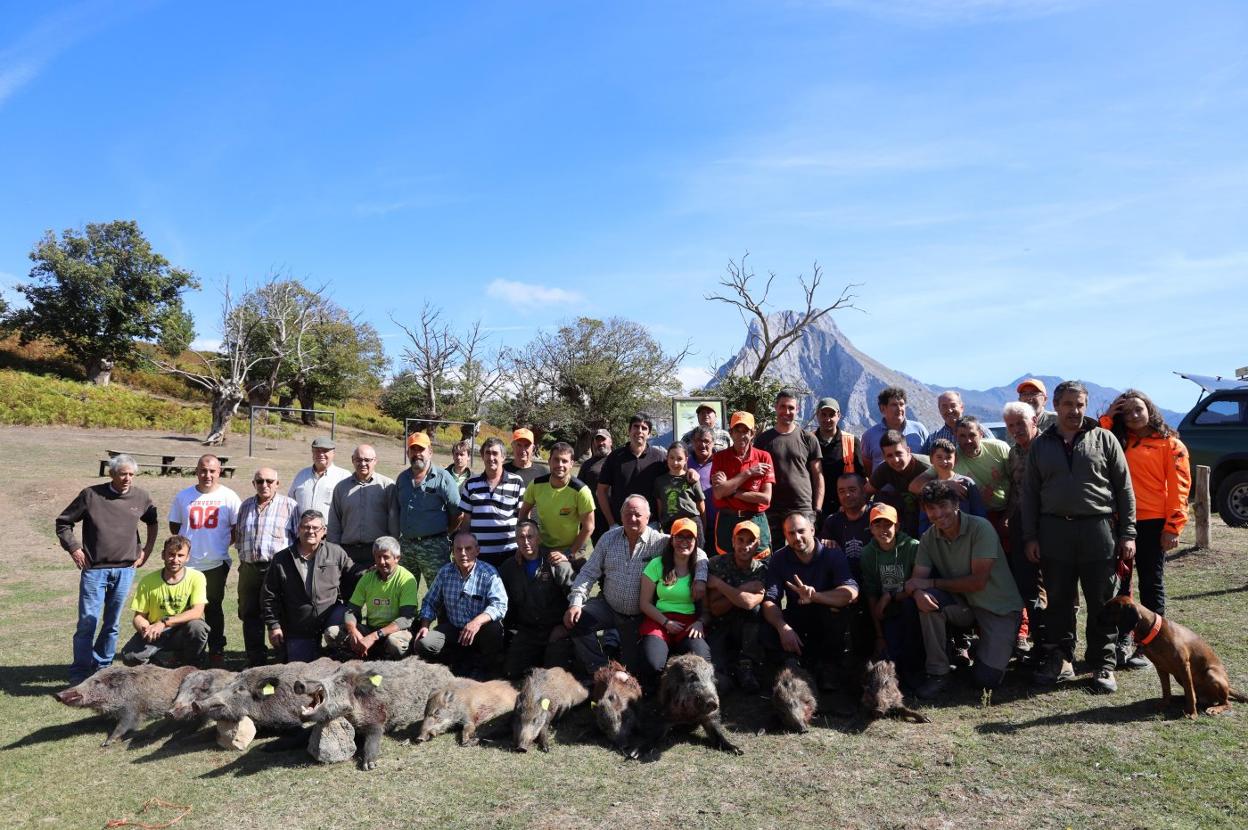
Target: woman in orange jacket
1161, 478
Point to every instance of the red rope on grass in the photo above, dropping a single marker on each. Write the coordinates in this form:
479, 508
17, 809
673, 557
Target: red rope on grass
147, 805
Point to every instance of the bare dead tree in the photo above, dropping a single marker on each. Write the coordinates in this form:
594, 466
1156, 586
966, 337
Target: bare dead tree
431, 354
288, 312
225, 373
770, 338
482, 370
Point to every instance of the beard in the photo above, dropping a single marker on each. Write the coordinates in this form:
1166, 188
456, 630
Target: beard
419, 465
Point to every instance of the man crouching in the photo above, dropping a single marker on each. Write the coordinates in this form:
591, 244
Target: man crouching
974, 588
169, 612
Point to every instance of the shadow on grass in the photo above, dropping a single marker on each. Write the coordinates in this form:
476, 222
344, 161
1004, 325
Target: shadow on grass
1134, 712
181, 739
259, 759
31, 681
59, 732
1208, 594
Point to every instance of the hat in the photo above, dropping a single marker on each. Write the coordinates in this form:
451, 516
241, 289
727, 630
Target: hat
602, 433
323, 444
705, 406
748, 526
746, 418
522, 434
884, 511
684, 526
828, 403
1035, 383
418, 439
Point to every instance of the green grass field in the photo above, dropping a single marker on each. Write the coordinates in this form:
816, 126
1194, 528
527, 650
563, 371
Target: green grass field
1024, 760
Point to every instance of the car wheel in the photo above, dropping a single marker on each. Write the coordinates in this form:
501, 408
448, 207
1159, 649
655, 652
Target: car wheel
1233, 499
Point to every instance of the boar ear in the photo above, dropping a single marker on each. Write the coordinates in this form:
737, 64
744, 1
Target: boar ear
265, 686
368, 683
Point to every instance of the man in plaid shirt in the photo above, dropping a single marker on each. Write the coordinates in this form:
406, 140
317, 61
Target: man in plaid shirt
469, 602
618, 559
267, 522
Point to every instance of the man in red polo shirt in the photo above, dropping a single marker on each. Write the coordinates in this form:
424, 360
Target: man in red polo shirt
741, 480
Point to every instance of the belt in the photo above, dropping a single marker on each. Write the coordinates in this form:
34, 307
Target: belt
1096, 516
739, 514
441, 533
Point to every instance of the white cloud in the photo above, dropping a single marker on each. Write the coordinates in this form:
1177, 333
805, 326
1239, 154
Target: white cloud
203, 344
23, 60
527, 296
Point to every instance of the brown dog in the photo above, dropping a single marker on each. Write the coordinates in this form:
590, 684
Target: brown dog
1178, 651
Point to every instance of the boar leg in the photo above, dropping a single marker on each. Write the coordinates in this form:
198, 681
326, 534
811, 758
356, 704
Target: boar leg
468, 736
128, 720
715, 729
372, 747
543, 738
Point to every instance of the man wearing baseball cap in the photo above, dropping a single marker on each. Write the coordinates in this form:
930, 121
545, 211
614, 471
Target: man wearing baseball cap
521, 462
708, 416
887, 561
838, 450
1034, 392
591, 471
733, 610
741, 480
426, 500
313, 487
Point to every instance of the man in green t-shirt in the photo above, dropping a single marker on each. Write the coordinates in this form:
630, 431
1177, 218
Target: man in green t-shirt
169, 612
887, 561
564, 507
382, 607
974, 588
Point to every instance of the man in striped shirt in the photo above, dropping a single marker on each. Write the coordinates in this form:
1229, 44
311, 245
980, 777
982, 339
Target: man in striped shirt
491, 501
267, 522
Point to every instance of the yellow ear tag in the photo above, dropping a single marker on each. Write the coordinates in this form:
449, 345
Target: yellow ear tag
267, 690
546, 704
592, 704
375, 679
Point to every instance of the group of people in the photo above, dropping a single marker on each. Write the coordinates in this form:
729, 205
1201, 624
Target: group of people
751, 549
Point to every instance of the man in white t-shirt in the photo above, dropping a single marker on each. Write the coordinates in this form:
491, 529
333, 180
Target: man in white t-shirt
206, 514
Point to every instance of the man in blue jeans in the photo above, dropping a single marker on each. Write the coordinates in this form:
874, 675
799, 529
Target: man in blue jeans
107, 554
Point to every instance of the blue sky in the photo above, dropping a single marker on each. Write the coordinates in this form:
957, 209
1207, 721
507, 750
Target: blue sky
1034, 185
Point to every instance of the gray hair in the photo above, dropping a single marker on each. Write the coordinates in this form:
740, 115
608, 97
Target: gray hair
118, 461
389, 544
493, 442
950, 393
311, 514
698, 431
1069, 386
1020, 408
638, 497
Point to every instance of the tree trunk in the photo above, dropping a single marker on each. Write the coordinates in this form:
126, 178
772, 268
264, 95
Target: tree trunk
287, 399
307, 400
100, 371
259, 394
224, 406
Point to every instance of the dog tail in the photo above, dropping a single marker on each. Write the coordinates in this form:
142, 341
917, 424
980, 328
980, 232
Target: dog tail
1234, 695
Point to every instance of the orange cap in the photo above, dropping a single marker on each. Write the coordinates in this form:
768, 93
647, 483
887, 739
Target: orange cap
884, 511
418, 439
522, 434
747, 526
1035, 383
684, 526
742, 417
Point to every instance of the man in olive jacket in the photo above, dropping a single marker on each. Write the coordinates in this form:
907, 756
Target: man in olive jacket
301, 600
1078, 521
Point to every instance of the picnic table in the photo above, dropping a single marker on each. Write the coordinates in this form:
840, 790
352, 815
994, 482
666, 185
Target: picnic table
170, 463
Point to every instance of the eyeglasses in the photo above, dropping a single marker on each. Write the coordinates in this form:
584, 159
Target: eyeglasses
366, 460
311, 529
264, 481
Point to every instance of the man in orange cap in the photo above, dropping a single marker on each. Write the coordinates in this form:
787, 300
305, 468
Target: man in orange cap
426, 501
741, 480
733, 611
887, 561
521, 462
1034, 392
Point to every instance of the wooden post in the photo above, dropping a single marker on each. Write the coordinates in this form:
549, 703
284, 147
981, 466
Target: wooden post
1200, 500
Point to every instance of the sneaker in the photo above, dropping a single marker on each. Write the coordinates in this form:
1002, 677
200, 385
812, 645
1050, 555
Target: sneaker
1055, 669
1128, 656
1022, 645
933, 687
1135, 661
1104, 682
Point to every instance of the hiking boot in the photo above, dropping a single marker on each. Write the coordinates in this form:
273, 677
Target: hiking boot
1128, 655
933, 686
1056, 669
1022, 645
1104, 682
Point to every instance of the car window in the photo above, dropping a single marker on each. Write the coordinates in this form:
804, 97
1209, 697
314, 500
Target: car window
1221, 412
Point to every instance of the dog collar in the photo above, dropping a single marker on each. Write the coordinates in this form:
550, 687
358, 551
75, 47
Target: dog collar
1152, 631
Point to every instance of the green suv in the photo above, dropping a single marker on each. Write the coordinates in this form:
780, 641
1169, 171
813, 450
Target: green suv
1216, 435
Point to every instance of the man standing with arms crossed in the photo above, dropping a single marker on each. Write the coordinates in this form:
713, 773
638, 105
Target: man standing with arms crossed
267, 522
426, 504
362, 510
206, 514
313, 487
107, 555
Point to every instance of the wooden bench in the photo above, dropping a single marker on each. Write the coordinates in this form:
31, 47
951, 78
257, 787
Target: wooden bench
169, 464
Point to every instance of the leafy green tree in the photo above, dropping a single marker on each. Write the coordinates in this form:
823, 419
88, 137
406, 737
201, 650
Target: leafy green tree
342, 359
98, 291
744, 393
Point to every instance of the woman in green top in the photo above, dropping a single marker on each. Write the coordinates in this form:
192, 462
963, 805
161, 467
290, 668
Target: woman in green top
672, 616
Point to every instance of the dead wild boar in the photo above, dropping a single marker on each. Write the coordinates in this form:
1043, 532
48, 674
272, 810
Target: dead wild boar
469, 704
375, 697
881, 696
544, 697
197, 686
265, 694
128, 693
616, 700
794, 699
687, 695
